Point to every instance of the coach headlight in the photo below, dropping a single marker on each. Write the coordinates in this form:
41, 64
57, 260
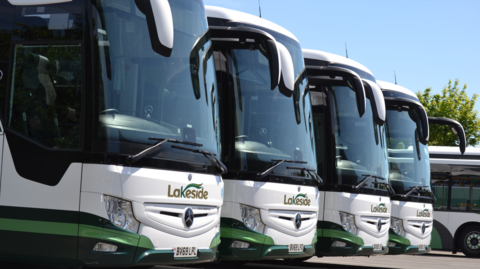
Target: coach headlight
348, 222
120, 213
251, 218
397, 226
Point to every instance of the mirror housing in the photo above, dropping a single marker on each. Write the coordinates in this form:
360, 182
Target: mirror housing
286, 84
195, 63
374, 93
324, 75
160, 24
456, 128
422, 122
222, 36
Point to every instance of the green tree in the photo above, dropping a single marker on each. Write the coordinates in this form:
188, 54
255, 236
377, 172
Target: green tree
452, 103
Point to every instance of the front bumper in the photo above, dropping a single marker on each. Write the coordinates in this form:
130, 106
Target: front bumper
261, 247
133, 249
403, 246
154, 257
354, 244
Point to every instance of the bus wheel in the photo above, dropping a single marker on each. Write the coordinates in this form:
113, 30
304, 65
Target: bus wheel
469, 241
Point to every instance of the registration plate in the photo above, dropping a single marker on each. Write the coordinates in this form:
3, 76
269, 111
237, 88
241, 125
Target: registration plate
295, 248
377, 247
183, 252
422, 247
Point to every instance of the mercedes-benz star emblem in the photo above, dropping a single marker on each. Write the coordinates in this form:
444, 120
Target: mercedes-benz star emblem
263, 131
298, 221
423, 228
148, 109
379, 225
188, 217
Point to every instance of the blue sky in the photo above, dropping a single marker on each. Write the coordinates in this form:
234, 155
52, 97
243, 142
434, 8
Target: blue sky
425, 42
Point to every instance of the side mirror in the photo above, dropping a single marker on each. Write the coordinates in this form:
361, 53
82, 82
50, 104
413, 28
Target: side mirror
420, 116
195, 63
160, 24
222, 38
422, 124
374, 93
286, 84
456, 128
325, 76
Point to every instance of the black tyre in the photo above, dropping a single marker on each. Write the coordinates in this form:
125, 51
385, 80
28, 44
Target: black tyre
469, 241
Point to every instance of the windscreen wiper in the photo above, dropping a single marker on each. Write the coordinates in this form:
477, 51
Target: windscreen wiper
367, 177
279, 162
131, 159
311, 172
412, 189
211, 157
364, 180
415, 188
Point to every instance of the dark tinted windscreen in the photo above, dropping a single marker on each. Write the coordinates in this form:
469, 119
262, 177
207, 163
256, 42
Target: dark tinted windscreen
408, 158
141, 94
360, 144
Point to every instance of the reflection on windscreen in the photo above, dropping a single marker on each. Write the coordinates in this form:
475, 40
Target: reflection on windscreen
406, 169
360, 144
142, 94
266, 127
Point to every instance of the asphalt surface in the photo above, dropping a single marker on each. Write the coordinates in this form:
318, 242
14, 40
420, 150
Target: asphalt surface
434, 260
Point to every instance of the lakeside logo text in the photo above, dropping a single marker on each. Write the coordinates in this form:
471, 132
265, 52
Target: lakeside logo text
424, 213
381, 208
189, 194
300, 199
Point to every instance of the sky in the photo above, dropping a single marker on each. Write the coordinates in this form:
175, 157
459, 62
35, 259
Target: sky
425, 42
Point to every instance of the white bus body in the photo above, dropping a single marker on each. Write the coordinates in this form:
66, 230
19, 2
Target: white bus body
349, 112
267, 214
91, 89
412, 214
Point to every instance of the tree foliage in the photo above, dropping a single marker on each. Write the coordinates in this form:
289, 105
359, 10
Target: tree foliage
452, 103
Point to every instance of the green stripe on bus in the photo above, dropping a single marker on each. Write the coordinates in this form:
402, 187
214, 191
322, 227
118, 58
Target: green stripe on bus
69, 229
145, 243
395, 238
343, 235
44, 227
235, 229
110, 235
252, 237
216, 241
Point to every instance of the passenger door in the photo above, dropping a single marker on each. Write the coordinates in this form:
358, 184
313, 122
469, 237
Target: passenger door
40, 159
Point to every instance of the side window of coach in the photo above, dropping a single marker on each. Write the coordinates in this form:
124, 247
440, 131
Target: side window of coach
46, 79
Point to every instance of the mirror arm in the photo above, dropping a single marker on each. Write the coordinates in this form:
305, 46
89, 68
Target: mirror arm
412, 104
333, 71
370, 95
220, 33
160, 24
